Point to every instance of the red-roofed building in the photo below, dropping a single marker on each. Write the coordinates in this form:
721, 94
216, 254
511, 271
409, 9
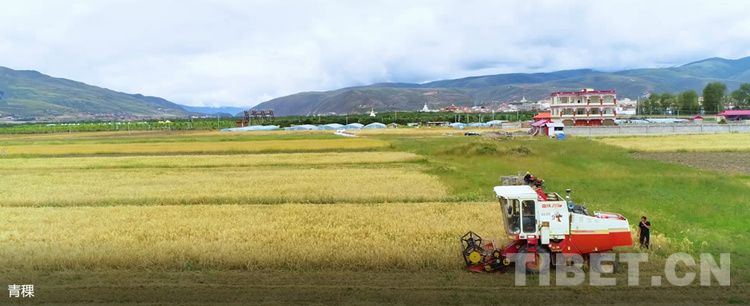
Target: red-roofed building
451, 108
735, 114
542, 116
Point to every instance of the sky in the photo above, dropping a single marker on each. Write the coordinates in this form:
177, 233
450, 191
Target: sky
240, 53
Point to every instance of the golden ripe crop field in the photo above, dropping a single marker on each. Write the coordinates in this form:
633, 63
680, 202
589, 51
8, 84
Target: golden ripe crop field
207, 161
671, 143
197, 147
264, 185
151, 134
408, 236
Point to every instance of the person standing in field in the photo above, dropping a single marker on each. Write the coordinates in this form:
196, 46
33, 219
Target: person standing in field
644, 232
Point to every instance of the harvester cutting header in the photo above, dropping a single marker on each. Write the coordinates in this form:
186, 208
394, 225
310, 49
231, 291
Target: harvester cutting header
544, 226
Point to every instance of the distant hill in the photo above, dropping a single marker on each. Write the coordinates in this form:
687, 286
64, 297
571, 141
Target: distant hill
32, 94
221, 111
512, 87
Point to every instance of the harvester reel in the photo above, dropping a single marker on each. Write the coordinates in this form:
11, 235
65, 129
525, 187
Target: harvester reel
471, 243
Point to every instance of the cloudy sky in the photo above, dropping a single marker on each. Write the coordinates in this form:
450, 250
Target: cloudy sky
240, 53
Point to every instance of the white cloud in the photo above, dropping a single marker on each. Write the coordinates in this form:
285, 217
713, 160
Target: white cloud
239, 53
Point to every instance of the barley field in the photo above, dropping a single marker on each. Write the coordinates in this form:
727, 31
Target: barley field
153, 135
687, 143
196, 147
261, 218
208, 161
269, 185
410, 236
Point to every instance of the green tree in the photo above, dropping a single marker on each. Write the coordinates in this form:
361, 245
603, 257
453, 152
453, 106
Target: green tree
741, 96
651, 104
713, 96
687, 102
666, 101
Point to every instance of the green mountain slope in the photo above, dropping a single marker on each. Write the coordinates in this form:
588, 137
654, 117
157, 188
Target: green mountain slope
32, 94
513, 87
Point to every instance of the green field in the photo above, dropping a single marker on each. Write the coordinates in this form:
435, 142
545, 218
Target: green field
280, 217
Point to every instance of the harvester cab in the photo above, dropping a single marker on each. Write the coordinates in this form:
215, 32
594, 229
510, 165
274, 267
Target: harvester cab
543, 226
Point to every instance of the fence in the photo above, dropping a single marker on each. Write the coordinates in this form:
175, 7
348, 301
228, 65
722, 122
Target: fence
645, 129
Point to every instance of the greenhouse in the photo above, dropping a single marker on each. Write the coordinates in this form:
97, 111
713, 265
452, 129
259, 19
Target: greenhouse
375, 125
252, 128
458, 125
353, 126
497, 122
478, 124
331, 126
304, 127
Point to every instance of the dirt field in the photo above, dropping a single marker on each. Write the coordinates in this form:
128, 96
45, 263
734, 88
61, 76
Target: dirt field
726, 162
280, 287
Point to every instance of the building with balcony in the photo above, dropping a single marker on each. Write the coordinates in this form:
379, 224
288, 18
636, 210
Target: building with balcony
587, 107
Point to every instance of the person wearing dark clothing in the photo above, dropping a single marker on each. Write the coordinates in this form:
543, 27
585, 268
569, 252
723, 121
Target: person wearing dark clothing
528, 178
644, 232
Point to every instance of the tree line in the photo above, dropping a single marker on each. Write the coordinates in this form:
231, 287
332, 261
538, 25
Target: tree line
715, 100
401, 118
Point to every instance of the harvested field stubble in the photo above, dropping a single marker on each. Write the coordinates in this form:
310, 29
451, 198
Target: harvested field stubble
726, 162
406, 236
266, 185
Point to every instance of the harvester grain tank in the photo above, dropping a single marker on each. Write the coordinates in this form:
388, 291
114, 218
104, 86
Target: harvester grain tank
542, 227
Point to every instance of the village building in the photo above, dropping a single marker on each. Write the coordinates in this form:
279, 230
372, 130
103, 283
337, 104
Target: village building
587, 107
735, 114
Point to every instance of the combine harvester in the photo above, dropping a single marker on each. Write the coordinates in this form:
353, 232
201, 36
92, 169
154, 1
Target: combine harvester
543, 227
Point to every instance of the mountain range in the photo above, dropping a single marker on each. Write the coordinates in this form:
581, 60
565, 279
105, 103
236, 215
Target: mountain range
224, 111
495, 89
26, 93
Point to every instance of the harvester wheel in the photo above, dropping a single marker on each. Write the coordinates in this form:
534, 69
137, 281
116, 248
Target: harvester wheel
540, 263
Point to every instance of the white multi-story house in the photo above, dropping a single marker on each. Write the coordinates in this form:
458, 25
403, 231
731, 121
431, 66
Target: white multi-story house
587, 107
